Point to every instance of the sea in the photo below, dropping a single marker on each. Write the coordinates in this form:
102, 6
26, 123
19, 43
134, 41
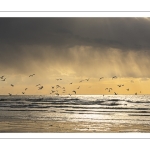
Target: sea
117, 110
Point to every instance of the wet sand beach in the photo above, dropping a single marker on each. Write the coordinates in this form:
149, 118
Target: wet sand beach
28, 126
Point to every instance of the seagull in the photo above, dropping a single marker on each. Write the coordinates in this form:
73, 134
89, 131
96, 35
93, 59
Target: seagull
40, 88
101, 78
10, 94
74, 92
81, 80
87, 79
78, 87
31, 75
106, 89
57, 86
114, 77
57, 94
69, 94
110, 89
12, 85
23, 92
119, 85
115, 93
26, 89
135, 93
3, 79
127, 89
70, 83
38, 84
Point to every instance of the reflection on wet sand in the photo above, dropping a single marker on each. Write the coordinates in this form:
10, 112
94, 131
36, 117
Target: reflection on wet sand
21, 126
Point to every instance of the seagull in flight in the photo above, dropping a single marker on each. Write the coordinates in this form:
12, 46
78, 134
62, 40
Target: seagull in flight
87, 79
31, 75
114, 77
119, 85
74, 92
115, 93
38, 84
78, 87
3, 79
12, 85
10, 94
40, 88
26, 89
101, 78
23, 92
127, 89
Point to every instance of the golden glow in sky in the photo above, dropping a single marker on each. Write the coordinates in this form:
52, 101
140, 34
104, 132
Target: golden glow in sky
75, 49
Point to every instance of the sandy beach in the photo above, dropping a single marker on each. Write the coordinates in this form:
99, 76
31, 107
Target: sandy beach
27, 126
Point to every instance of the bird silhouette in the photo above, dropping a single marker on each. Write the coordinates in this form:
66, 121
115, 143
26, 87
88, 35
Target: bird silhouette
70, 83
10, 94
26, 89
31, 75
74, 92
127, 89
101, 78
3, 79
78, 87
135, 93
12, 85
87, 79
23, 92
115, 93
114, 77
40, 88
38, 84
57, 86
119, 85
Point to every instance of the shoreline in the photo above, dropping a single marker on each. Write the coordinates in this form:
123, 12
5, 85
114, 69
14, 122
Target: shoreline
46, 126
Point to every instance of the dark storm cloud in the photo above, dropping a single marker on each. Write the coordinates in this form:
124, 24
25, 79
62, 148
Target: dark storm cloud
27, 43
108, 32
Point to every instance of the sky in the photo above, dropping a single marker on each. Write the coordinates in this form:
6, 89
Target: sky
75, 49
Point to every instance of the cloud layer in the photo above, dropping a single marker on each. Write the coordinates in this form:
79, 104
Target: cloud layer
76, 46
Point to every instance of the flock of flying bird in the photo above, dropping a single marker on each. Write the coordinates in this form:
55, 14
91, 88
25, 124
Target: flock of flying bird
54, 89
